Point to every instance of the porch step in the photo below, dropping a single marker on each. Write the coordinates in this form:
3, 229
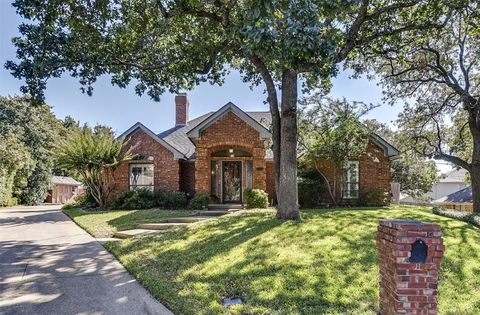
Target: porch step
187, 219
215, 206
160, 226
216, 213
134, 232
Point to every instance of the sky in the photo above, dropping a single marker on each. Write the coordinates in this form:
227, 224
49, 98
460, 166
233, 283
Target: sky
121, 108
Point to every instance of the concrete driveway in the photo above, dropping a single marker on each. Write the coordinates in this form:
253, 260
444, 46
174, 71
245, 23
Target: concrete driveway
48, 265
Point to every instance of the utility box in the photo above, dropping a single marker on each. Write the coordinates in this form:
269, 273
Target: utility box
409, 253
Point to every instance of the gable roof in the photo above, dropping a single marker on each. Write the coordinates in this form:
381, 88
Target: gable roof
195, 132
463, 195
388, 149
64, 180
178, 138
176, 153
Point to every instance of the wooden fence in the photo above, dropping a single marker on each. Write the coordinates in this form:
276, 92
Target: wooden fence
467, 207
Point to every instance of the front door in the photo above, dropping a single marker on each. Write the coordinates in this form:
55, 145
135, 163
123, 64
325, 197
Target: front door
232, 181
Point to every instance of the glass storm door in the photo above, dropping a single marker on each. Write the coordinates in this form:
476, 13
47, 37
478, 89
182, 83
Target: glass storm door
232, 181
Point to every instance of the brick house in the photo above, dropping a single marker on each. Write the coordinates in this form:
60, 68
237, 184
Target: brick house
222, 153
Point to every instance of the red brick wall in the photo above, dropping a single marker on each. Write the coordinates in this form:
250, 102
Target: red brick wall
166, 168
374, 172
374, 169
187, 177
229, 130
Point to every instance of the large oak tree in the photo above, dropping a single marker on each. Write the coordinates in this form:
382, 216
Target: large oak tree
176, 44
437, 74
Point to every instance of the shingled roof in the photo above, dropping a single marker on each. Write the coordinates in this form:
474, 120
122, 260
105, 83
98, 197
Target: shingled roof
177, 136
461, 196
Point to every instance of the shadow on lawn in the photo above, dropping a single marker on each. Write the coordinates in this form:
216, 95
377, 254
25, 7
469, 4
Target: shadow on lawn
266, 274
325, 264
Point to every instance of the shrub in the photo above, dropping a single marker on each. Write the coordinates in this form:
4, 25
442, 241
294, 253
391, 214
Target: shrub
373, 197
85, 200
170, 199
199, 201
68, 206
134, 199
311, 188
471, 218
144, 199
256, 198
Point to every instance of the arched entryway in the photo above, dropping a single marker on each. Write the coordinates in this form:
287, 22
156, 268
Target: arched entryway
231, 172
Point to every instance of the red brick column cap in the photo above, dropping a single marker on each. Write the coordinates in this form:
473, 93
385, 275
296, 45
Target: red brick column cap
409, 225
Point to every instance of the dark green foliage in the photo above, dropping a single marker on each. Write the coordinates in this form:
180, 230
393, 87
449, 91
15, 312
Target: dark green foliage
471, 218
330, 129
28, 136
86, 200
373, 197
175, 45
145, 199
199, 201
412, 171
256, 198
37, 185
134, 199
170, 199
311, 188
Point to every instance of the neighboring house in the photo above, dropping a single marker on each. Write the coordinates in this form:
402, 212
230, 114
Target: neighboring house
452, 182
63, 189
224, 152
459, 200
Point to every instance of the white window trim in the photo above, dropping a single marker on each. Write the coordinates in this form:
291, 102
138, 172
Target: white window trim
132, 187
344, 193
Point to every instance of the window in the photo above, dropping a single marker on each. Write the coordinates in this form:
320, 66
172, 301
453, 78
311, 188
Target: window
215, 179
249, 167
141, 176
350, 182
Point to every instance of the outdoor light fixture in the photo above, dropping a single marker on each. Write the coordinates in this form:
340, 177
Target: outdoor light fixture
230, 150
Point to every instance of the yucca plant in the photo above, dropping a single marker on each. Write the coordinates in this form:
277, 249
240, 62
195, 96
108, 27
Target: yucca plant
94, 156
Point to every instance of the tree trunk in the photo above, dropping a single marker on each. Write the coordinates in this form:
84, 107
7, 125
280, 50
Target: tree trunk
475, 176
332, 194
287, 191
475, 165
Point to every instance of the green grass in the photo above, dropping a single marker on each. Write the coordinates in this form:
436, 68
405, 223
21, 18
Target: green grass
105, 223
326, 264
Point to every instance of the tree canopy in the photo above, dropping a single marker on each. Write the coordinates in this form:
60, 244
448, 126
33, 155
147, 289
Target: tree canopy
30, 134
437, 75
176, 44
415, 173
331, 130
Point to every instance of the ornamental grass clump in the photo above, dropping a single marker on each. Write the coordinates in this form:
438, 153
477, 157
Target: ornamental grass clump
94, 155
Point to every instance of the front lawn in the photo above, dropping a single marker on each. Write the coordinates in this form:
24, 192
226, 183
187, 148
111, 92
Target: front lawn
327, 264
105, 223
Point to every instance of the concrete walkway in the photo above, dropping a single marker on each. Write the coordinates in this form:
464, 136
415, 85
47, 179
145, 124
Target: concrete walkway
48, 265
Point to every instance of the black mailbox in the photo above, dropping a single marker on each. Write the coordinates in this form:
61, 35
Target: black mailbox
418, 254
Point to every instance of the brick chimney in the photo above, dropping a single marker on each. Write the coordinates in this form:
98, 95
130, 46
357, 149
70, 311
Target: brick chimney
181, 109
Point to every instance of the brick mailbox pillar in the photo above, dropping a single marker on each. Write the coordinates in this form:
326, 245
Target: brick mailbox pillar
410, 253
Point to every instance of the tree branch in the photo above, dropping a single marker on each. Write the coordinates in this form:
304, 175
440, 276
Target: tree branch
352, 34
